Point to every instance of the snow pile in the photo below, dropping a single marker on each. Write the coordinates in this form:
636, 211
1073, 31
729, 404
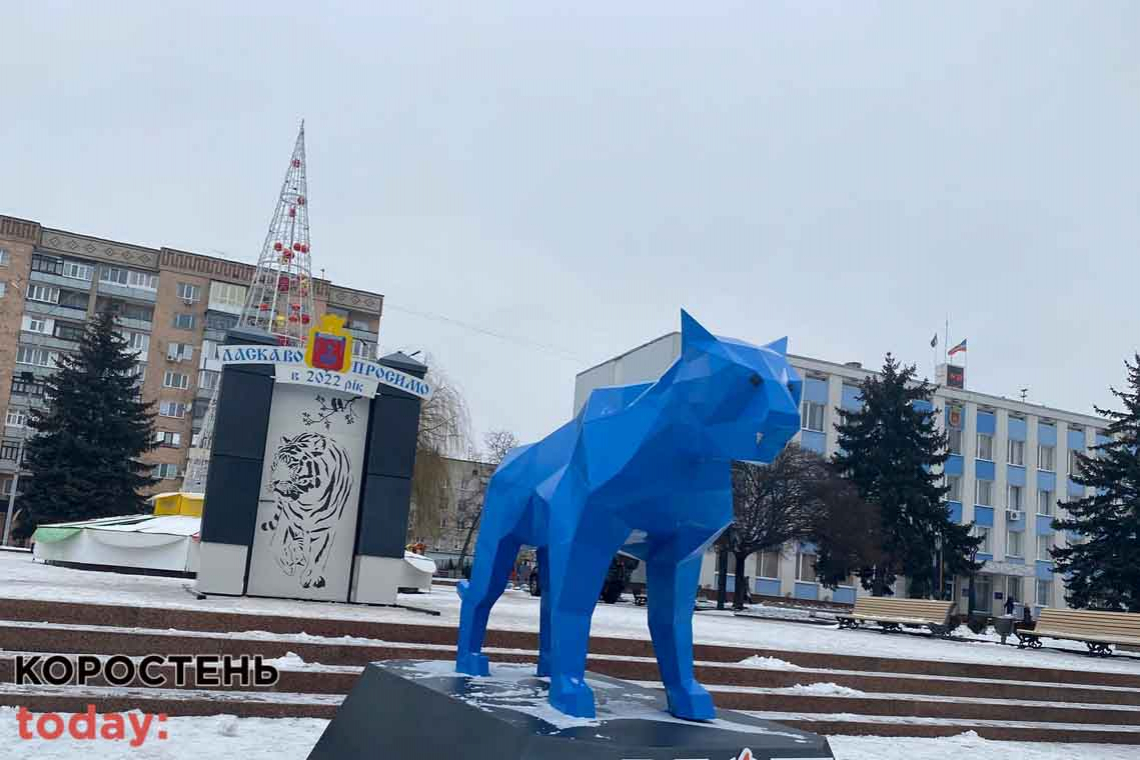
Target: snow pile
968, 744
821, 690
768, 663
290, 661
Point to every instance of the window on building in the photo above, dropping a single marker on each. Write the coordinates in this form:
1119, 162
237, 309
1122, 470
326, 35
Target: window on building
812, 414
208, 380
189, 292
3, 289
144, 280
955, 484
113, 275
955, 435
768, 565
10, 451
168, 438
78, 271
1013, 588
184, 321
224, 294
42, 293
68, 331
1046, 457
16, 418
985, 446
361, 348
1044, 593
983, 532
6, 487
165, 471
805, 568
36, 324
174, 409
983, 493
177, 380
1044, 544
46, 264
1015, 498
37, 357
5, 257
1013, 543
1016, 453
24, 387
177, 352
1074, 464
1044, 502
136, 341
129, 277
125, 310
209, 350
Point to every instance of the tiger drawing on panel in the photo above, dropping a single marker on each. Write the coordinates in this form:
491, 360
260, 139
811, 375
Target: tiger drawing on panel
311, 480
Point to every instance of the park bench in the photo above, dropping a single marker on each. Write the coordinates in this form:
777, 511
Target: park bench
1098, 630
892, 614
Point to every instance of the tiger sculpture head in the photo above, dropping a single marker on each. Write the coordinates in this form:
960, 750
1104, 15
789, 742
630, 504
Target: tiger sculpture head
311, 481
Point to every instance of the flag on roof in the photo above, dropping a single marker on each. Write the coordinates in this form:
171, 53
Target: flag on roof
960, 347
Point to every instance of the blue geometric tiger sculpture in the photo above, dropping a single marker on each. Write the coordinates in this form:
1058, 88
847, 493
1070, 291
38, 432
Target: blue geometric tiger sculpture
645, 469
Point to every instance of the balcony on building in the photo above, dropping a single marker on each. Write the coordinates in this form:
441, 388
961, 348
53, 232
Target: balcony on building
54, 301
217, 324
127, 284
72, 274
226, 298
360, 324
129, 315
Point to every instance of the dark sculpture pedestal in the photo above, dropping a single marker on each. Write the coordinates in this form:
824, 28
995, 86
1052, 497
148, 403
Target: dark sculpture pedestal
403, 709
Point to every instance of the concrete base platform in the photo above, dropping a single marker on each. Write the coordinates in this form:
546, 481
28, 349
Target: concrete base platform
408, 708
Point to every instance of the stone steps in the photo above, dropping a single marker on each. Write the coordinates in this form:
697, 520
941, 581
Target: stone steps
193, 620
899, 697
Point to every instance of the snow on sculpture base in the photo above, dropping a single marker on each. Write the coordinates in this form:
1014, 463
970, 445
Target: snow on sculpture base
403, 708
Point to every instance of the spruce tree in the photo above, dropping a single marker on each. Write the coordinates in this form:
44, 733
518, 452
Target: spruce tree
1102, 568
891, 451
85, 457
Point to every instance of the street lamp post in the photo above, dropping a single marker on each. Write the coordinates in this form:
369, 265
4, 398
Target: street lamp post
12, 495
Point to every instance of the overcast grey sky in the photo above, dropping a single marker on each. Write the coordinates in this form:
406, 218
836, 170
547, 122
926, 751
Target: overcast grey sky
843, 173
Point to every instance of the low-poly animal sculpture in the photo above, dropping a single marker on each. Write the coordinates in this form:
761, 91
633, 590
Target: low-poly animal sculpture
645, 469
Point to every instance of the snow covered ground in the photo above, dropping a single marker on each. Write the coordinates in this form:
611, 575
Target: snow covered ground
228, 738
222, 737
21, 577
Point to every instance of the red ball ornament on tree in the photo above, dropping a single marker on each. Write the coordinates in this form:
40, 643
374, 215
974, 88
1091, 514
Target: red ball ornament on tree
277, 246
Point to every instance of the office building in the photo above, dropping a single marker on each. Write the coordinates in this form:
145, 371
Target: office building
173, 306
1010, 464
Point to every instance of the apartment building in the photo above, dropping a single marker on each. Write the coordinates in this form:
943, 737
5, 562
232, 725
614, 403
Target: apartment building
1010, 463
173, 306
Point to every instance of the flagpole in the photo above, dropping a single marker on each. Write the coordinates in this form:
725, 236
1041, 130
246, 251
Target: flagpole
946, 345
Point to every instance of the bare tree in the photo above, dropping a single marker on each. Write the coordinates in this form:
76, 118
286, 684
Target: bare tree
773, 504
498, 444
849, 533
444, 432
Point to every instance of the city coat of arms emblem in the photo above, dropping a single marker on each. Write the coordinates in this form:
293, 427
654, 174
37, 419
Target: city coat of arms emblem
330, 345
